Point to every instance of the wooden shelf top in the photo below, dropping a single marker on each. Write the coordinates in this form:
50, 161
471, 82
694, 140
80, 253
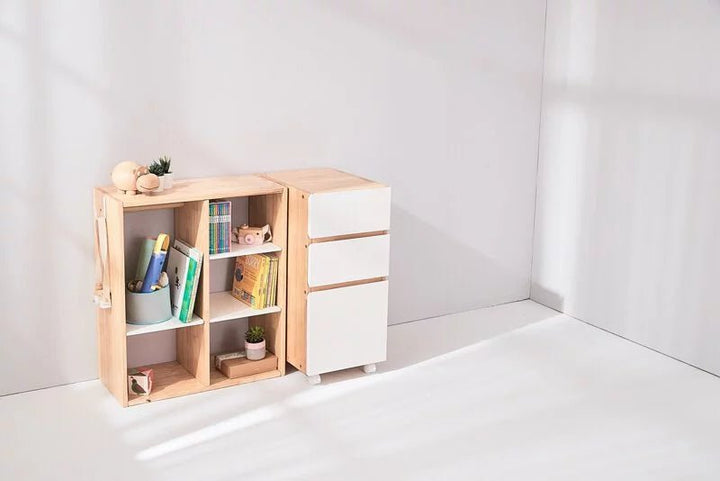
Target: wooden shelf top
189, 190
315, 181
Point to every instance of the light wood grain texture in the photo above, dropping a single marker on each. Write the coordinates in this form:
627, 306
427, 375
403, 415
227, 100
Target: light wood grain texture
191, 372
297, 278
199, 189
153, 207
273, 210
243, 367
172, 380
321, 180
112, 356
193, 343
218, 379
346, 284
333, 238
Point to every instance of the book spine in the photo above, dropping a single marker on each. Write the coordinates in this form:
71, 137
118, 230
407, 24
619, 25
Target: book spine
196, 283
212, 228
157, 260
185, 313
146, 250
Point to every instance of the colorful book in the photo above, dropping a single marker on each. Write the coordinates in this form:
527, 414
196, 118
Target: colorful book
192, 279
157, 260
249, 283
177, 269
272, 282
220, 229
146, 249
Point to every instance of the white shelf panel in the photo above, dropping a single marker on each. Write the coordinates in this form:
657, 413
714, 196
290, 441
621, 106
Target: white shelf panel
237, 250
224, 307
172, 323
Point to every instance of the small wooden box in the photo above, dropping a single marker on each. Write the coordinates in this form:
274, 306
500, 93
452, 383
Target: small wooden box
241, 367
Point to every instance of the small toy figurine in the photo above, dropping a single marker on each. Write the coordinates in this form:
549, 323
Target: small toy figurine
131, 178
140, 381
247, 235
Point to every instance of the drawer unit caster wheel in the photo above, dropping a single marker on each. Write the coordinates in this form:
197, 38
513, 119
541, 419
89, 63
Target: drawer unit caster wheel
369, 368
314, 380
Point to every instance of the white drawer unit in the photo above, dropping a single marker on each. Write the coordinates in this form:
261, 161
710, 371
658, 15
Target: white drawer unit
338, 258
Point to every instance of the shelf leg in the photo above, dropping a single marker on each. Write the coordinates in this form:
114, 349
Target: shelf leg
314, 380
369, 368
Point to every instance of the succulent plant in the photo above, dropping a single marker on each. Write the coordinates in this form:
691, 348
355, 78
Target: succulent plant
255, 334
164, 162
156, 168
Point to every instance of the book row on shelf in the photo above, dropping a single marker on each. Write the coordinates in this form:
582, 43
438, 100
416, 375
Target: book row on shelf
220, 226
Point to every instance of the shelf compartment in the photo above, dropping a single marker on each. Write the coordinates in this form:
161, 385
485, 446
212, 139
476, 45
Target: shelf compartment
224, 307
172, 323
170, 380
238, 250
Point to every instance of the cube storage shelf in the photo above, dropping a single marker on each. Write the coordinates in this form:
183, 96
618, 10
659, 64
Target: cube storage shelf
192, 371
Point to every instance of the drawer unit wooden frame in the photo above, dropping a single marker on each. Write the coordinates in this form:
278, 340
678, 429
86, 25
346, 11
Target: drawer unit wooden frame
351, 215
192, 371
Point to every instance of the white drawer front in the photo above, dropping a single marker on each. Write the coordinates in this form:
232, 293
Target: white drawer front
348, 260
348, 212
346, 327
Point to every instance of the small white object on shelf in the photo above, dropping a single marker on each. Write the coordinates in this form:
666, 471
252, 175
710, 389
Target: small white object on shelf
224, 307
237, 250
172, 323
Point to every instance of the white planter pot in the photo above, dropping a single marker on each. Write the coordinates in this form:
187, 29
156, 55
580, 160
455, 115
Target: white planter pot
255, 351
161, 186
169, 180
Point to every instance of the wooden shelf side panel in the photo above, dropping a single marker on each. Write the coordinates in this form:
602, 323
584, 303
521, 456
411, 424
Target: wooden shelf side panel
273, 209
297, 287
193, 343
112, 355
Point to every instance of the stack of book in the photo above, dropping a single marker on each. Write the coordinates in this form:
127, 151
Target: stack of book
255, 280
184, 264
220, 230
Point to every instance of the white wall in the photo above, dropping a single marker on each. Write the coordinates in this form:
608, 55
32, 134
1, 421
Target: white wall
438, 99
627, 220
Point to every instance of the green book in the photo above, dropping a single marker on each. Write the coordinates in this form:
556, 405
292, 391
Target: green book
191, 280
185, 312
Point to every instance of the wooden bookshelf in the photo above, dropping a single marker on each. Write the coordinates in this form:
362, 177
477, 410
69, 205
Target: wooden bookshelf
191, 371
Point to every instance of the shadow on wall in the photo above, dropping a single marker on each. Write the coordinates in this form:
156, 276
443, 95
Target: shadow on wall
435, 280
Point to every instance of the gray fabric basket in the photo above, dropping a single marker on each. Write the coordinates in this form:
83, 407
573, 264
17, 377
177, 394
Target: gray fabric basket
148, 308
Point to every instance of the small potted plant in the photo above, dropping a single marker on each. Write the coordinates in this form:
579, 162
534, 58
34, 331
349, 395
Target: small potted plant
168, 176
255, 343
157, 169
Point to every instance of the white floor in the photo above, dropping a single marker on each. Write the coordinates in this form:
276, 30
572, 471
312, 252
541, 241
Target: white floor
553, 399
